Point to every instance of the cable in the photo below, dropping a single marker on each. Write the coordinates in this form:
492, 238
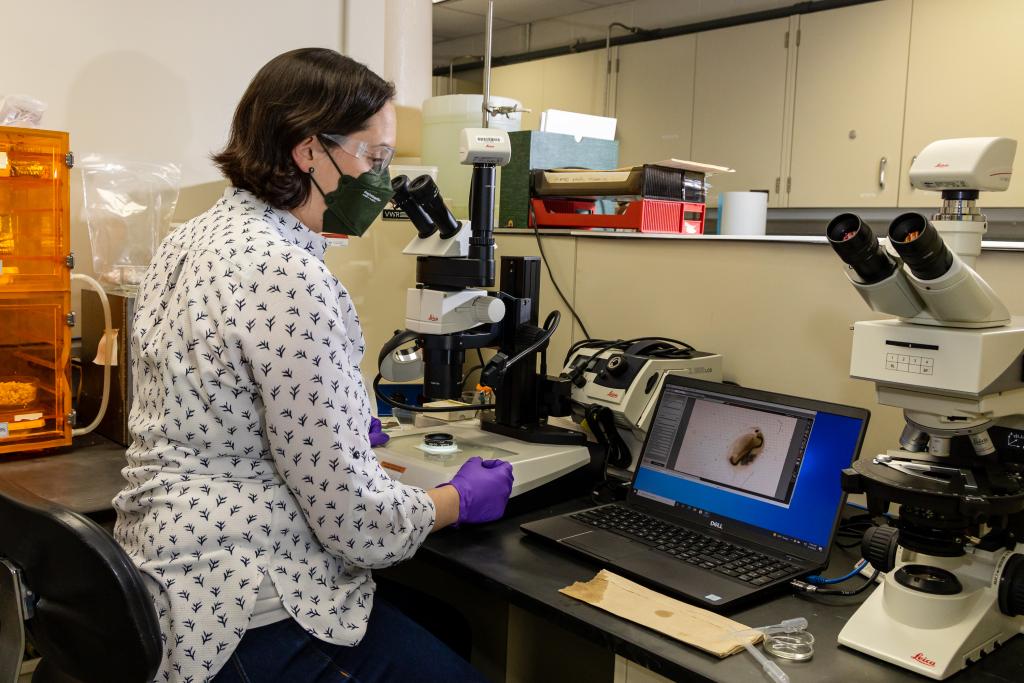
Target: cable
601, 421
805, 587
822, 581
423, 409
553, 318
470, 372
547, 266
680, 350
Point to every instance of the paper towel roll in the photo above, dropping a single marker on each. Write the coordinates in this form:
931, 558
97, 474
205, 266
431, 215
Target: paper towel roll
742, 213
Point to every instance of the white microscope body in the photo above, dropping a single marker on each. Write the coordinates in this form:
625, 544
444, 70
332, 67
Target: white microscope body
953, 363
450, 306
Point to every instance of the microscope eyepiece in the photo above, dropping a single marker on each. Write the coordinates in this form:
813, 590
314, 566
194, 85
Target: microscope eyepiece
424, 190
425, 226
858, 247
920, 245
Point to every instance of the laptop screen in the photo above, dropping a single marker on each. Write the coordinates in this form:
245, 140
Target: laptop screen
750, 463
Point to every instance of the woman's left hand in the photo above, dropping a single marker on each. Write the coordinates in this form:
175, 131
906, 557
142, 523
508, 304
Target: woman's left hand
377, 436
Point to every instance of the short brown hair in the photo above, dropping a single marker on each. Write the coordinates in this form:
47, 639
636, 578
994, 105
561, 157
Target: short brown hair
296, 95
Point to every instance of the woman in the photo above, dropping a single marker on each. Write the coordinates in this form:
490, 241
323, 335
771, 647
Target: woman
254, 504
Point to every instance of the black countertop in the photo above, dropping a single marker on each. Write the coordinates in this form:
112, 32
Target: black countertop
84, 478
529, 573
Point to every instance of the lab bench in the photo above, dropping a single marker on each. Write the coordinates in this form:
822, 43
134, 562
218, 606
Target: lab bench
508, 585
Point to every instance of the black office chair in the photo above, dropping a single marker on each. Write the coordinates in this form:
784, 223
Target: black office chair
66, 583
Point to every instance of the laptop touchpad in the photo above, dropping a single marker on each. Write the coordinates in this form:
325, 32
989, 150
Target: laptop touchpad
605, 545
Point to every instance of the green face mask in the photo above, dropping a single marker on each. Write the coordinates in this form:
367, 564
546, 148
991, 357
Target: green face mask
355, 205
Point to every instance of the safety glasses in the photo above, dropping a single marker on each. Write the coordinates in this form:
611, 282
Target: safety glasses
378, 156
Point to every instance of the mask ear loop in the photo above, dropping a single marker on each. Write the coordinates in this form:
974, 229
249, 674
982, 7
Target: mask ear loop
313, 180
333, 163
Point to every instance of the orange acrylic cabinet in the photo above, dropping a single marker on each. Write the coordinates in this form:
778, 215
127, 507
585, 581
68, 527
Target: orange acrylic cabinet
35, 290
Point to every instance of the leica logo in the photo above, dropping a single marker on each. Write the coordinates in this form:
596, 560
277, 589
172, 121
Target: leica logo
716, 524
432, 318
919, 657
613, 394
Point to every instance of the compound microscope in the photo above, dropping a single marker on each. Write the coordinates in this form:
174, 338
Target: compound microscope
451, 311
952, 360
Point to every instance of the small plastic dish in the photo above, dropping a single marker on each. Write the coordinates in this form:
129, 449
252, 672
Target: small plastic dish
796, 647
17, 391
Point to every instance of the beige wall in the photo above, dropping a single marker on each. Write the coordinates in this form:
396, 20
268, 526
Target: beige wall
150, 81
780, 313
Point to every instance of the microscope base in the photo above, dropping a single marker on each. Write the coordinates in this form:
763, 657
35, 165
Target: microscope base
539, 434
933, 635
533, 465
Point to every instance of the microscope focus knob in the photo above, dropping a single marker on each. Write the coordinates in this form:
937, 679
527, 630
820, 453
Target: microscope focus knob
488, 309
878, 547
1011, 586
617, 365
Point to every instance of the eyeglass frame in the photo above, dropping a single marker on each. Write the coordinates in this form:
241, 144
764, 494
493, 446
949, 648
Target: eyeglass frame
362, 150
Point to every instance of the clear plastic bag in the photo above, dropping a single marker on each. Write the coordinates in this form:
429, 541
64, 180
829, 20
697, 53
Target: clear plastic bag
21, 111
128, 206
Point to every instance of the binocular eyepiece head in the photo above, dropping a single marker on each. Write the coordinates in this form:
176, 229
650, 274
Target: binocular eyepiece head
855, 243
911, 235
920, 246
421, 200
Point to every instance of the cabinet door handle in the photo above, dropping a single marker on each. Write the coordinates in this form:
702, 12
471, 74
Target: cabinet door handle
882, 163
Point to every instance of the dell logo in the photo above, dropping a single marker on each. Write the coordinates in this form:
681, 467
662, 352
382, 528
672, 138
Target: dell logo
716, 524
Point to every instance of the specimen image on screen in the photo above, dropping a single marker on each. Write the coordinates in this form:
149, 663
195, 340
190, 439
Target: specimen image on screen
737, 447
746, 447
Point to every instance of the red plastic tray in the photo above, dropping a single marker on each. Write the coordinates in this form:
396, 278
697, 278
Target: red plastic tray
642, 215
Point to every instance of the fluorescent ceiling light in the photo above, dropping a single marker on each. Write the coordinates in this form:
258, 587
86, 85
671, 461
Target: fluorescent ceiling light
438, 2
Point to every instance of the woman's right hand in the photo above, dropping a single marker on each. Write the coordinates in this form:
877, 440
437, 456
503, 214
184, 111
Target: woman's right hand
484, 487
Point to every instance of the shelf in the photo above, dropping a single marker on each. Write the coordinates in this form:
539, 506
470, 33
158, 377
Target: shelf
986, 245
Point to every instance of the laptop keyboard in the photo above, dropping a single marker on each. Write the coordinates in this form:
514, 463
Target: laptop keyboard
688, 546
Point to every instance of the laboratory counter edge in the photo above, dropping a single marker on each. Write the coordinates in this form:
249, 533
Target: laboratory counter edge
528, 573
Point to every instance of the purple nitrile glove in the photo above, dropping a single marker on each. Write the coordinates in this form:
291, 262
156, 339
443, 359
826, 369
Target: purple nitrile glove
484, 487
377, 435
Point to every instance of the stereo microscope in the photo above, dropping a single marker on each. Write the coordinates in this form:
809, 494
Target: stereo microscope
451, 310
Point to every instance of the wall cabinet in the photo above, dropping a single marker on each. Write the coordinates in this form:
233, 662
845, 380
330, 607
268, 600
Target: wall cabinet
654, 99
739, 105
572, 82
824, 109
965, 80
848, 110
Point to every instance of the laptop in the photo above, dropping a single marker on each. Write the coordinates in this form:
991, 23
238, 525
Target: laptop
737, 491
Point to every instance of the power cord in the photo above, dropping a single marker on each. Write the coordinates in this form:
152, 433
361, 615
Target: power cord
601, 421
547, 266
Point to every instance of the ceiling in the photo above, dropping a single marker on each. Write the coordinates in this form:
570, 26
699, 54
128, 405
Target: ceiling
462, 18
522, 26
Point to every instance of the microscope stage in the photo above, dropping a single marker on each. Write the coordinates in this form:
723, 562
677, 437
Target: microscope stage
406, 460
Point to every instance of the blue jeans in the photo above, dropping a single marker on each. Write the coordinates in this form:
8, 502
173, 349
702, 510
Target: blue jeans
395, 648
